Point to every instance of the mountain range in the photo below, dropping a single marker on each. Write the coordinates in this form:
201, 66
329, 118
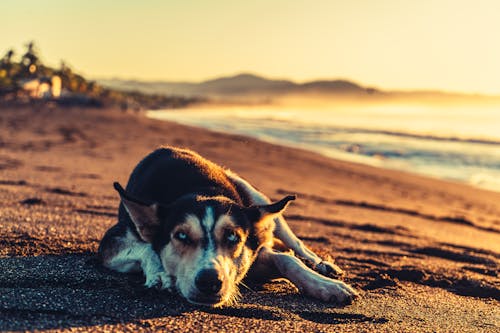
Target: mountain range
239, 85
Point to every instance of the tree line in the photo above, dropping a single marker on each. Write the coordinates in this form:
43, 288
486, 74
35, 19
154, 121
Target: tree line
29, 66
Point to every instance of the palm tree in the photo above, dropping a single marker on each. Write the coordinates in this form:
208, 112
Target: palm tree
6, 62
30, 59
6, 72
7, 58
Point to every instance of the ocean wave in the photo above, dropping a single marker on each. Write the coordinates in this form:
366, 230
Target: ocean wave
423, 136
471, 160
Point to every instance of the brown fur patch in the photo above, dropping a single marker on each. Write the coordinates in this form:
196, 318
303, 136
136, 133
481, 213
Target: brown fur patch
224, 225
264, 230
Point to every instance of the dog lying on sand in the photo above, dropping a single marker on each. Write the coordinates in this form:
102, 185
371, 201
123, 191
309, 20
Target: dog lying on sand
199, 229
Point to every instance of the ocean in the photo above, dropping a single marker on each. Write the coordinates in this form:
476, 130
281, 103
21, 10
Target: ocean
458, 143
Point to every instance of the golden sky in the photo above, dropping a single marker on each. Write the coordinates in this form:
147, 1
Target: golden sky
391, 44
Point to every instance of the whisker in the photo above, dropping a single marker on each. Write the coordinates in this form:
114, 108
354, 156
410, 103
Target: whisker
246, 286
235, 297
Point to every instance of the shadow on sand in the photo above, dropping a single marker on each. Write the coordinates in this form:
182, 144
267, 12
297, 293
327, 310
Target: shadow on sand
72, 290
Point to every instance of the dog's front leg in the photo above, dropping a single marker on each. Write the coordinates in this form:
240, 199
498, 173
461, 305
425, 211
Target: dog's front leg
283, 232
305, 279
153, 269
128, 255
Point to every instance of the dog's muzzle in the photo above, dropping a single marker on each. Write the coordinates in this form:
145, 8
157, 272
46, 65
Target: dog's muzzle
208, 282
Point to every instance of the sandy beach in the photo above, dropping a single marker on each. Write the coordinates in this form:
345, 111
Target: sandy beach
424, 253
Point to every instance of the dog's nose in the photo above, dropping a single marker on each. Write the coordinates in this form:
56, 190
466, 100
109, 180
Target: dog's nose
208, 281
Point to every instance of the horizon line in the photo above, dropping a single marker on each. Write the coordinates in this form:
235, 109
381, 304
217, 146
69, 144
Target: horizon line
272, 78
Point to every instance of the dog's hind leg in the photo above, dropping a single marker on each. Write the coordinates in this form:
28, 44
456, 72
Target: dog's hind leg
121, 251
306, 280
283, 232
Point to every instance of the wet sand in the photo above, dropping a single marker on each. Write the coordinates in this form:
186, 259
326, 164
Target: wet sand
424, 253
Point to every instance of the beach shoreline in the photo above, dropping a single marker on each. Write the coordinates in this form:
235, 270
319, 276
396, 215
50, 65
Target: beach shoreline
377, 137
424, 253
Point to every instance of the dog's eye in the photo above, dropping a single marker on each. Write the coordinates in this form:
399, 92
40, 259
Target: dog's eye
183, 237
232, 237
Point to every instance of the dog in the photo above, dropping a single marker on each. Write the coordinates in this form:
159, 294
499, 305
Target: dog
196, 228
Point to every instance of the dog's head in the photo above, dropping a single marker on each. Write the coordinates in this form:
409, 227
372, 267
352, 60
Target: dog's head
207, 244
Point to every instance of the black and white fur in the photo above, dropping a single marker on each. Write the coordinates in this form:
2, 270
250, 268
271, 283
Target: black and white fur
192, 226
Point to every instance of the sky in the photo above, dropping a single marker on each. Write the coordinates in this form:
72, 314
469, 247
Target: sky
389, 44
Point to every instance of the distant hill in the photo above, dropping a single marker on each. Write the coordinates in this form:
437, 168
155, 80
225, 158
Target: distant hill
239, 85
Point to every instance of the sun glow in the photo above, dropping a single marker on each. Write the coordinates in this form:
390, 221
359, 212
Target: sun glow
442, 44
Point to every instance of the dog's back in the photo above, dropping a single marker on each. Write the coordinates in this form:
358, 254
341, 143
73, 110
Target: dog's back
169, 173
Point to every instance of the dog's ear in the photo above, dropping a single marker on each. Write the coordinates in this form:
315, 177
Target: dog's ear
276, 207
261, 219
263, 212
144, 216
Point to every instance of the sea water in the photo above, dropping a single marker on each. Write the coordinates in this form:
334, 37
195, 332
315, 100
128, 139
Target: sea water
456, 143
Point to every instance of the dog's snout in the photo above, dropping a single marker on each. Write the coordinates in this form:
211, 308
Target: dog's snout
208, 281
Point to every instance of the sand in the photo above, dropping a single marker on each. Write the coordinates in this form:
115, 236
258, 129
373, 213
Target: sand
424, 253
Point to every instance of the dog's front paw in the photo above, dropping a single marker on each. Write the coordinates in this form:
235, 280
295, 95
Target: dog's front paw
329, 269
158, 280
325, 267
341, 294
332, 291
